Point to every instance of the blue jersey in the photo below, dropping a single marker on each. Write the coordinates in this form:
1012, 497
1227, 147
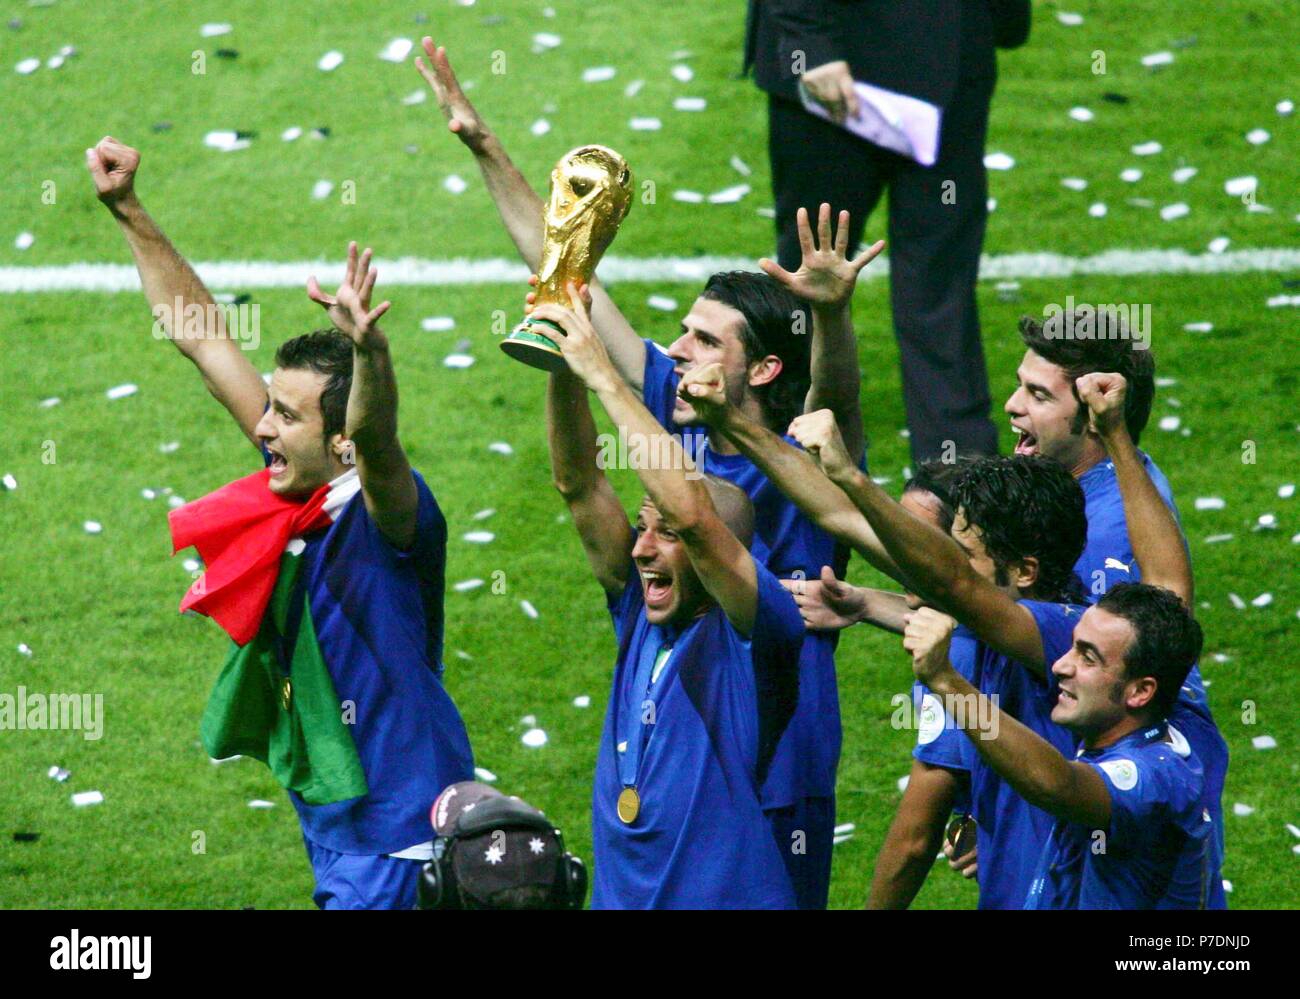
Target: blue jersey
791, 547
938, 742
378, 617
1108, 559
694, 717
1155, 853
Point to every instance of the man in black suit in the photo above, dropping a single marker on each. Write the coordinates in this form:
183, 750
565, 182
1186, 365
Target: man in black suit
940, 52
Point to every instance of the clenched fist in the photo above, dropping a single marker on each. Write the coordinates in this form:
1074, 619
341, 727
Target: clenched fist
1104, 394
112, 166
927, 635
819, 435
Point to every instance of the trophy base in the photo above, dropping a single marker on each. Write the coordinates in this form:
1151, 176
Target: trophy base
527, 344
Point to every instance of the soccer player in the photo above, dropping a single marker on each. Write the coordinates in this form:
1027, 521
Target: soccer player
1131, 832
1018, 529
706, 676
756, 326
326, 568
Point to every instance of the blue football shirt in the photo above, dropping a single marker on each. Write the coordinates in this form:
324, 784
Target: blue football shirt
791, 547
378, 616
1154, 855
694, 716
1108, 559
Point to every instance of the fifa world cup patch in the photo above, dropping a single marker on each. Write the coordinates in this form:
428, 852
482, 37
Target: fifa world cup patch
1122, 773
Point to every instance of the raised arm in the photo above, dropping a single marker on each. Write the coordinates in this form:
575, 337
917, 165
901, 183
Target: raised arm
1029, 763
387, 485
825, 280
830, 604
597, 514
1158, 544
177, 298
723, 563
520, 208
794, 472
936, 566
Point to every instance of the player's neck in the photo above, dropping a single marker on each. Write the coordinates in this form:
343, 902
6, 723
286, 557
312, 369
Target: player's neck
1126, 726
1091, 456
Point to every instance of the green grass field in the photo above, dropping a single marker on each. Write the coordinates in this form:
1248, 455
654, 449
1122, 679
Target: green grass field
99, 611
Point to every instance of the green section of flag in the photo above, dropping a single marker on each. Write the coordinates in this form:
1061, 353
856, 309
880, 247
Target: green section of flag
306, 744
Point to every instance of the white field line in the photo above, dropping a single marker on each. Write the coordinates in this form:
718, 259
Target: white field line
239, 275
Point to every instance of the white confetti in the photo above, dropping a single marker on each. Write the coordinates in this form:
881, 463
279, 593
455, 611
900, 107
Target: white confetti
1239, 187
598, 74
690, 104
1242, 810
998, 161
83, 798
1097, 210
484, 514
837, 840
1264, 742
1147, 148
93, 527
259, 803
437, 324
534, 738
527, 607
455, 183
225, 759
633, 88
169, 447
465, 585
415, 97
1215, 539
662, 302
1227, 886
54, 62
902, 782
546, 40
645, 124
175, 501
291, 134
52, 401
28, 66
24, 649
24, 241
690, 197
58, 773
485, 775
457, 361
479, 537
729, 195
1263, 600
331, 60
1257, 136
322, 189
225, 140
501, 447
1081, 114
844, 829
1074, 183
582, 701
528, 721
1293, 830
10, 482
1170, 422
1236, 601
1131, 175
1069, 19
1198, 327
1218, 244
1283, 492
992, 204
122, 391
1174, 211
540, 127
215, 30
462, 654
1267, 522
1183, 174
192, 565
1157, 59
740, 166
397, 50
683, 73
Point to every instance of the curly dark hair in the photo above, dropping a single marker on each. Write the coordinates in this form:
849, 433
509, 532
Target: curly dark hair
1111, 349
326, 352
936, 477
1166, 638
1027, 506
776, 322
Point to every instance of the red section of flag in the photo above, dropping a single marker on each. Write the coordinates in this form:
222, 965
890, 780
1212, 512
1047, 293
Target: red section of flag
241, 531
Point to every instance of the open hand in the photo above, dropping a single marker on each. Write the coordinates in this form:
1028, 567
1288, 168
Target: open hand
349, 307
462, 118
826, 604
826, 277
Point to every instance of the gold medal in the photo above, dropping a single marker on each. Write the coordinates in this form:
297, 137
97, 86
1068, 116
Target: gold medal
286, 692
629, 805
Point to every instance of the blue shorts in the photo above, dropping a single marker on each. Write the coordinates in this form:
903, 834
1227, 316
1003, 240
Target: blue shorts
804, 833
350, 881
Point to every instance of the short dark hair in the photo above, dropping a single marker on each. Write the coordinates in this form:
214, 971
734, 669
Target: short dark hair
1166, 638
1027, 506
776, 322
1110, 349
326, 352
936, 477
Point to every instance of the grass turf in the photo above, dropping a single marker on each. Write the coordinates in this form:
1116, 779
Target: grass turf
99, 611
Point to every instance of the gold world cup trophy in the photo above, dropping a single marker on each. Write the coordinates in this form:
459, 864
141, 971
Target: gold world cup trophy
591, 192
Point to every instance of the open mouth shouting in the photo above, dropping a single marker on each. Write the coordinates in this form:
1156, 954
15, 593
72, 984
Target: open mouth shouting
657, 587
1026, 443
278, 462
